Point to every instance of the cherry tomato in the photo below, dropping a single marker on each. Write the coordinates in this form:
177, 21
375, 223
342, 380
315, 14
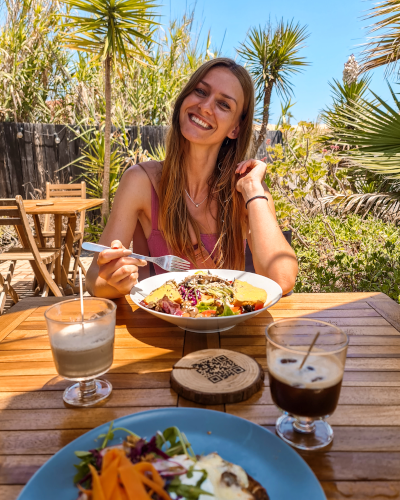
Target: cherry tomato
208, 313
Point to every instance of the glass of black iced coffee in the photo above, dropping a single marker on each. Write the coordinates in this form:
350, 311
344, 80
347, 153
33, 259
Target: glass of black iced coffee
305, 389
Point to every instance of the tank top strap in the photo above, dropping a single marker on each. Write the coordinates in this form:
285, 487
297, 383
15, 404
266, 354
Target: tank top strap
153, 170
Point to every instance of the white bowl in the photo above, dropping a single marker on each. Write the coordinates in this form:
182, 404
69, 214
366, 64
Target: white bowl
207, 325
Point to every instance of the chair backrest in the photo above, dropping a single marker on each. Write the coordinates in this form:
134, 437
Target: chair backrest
65, 191
12, 213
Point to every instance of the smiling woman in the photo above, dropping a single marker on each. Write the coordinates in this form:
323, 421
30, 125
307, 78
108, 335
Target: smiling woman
205, 199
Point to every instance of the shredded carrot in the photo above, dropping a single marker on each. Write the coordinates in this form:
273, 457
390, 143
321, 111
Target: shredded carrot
82, 490
109, 457
132, 481
156, 487
148, 467
122, 480
97, 492
109, 478
119, 493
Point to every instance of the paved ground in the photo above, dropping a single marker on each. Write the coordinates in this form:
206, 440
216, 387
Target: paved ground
23, 278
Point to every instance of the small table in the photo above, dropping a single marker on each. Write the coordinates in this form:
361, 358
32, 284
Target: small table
362, 463
68, 207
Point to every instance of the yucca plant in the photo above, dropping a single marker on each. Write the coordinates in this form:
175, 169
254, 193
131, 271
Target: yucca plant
271, 56
286, 114
114, 31
344, 95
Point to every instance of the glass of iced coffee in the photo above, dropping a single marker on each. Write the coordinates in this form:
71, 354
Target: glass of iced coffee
305, 384
83, 347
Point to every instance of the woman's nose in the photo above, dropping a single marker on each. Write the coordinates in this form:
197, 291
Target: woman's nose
207, 105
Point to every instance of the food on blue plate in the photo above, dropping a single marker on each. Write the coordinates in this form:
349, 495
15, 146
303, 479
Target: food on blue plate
205, 295
163, 468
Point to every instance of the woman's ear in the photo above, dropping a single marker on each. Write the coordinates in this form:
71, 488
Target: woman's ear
235, 132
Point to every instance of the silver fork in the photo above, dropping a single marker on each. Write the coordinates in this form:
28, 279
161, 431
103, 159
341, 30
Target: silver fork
167, 262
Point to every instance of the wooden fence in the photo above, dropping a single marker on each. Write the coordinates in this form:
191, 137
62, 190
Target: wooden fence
44, 153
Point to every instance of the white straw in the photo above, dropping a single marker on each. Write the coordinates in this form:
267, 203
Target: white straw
81, 293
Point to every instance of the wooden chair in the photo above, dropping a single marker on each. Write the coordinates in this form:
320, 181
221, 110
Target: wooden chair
68, 191
12, 212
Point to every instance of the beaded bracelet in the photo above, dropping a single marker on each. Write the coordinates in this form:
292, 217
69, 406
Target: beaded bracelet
255, 197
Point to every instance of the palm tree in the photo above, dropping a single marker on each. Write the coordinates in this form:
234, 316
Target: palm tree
115, 31
370, 132
286, 114
271, 55
383, 49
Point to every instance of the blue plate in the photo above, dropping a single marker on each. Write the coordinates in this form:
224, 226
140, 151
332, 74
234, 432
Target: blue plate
263, 455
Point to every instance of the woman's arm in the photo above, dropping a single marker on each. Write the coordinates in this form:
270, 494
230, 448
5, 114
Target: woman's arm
273, 257
112, 274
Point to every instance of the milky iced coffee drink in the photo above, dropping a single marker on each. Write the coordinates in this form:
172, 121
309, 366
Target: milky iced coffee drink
312, 391
82, 352
82, 342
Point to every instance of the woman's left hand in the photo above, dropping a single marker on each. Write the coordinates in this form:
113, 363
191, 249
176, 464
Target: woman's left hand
252, 175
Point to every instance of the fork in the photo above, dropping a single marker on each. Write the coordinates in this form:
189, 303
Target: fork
167, 262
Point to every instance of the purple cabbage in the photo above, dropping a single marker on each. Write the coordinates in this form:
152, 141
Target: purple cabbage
143, 448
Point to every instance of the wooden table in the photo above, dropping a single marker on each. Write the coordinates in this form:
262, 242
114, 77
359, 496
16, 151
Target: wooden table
61, 207
363, 462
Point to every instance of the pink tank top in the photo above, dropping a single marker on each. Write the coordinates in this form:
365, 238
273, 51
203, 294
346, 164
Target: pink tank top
157, 244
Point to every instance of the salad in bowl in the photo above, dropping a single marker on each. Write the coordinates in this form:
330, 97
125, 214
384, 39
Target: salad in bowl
206, 301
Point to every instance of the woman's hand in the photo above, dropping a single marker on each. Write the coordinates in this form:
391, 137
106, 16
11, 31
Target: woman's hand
252, 175
117, 269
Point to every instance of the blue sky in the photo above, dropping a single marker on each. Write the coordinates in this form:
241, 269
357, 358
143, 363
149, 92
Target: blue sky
336, 31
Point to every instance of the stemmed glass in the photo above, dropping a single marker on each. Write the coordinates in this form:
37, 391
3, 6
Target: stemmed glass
305, 388
83, 347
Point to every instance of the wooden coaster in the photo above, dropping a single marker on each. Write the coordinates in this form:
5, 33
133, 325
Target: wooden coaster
216, 376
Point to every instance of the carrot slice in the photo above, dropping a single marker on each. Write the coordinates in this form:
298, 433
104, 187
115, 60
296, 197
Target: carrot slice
132, 481
109, 478
97, 492
109, 457
82, 490
156, 487
148, 467
119, 493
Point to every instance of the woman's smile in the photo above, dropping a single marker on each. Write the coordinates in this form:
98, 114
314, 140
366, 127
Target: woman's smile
199, 121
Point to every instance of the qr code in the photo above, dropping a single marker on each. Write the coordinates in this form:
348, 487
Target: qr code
217, 369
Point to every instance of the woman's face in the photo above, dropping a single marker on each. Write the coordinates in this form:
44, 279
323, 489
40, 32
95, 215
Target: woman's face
212, 111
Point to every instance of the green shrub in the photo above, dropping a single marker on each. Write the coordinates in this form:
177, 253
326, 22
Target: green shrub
364, 258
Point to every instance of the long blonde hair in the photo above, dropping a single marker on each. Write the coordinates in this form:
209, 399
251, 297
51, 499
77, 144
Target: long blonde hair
174, 216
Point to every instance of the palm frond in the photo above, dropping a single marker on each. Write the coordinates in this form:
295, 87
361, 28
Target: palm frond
383, 48
111, 27
381, 204
371, 132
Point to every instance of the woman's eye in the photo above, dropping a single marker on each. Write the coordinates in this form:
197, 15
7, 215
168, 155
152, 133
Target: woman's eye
224, 105
200, 92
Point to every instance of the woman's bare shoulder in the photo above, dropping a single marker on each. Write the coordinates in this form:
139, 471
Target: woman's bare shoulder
134, 189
